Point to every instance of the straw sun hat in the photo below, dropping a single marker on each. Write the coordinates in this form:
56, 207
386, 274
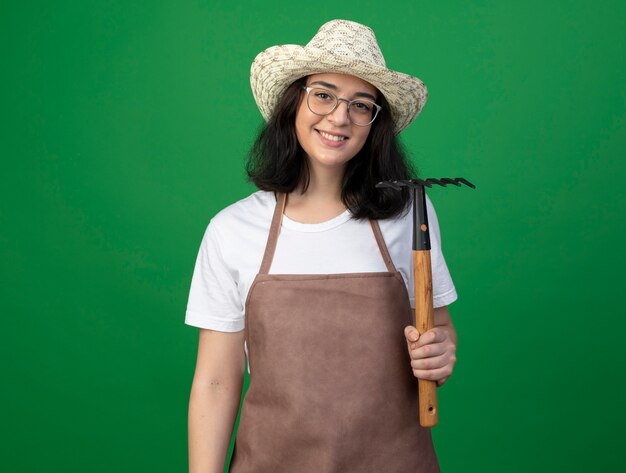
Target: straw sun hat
339, 46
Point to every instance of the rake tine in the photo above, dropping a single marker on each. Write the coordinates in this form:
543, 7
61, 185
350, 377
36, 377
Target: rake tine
420, 182
439, 182
465, 181
389, 185
450, 181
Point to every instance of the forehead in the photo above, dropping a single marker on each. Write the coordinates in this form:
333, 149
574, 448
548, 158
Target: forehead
344, 82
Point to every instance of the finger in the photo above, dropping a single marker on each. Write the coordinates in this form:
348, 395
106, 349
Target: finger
412, 336
434, 335
432, 363
427, 351
411, 333
432, 375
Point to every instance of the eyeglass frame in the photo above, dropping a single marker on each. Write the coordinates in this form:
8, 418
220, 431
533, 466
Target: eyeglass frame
337, 100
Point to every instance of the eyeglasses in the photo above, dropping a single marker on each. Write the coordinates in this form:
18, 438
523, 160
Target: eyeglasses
361, 112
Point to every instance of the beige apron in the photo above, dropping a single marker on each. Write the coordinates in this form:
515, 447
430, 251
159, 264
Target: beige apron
331, 387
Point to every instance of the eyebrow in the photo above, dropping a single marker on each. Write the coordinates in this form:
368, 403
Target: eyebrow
334, 87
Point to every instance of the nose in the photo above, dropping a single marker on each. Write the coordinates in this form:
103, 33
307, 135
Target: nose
339, 116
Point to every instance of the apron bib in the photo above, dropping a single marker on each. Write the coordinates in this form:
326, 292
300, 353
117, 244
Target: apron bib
331, 387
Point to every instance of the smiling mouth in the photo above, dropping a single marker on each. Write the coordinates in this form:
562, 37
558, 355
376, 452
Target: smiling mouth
330, 137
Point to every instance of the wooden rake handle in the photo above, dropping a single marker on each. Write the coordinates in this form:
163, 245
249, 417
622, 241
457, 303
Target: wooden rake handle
425, 320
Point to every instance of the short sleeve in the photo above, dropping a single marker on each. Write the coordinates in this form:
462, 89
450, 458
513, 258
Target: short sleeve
444, 292
214, 299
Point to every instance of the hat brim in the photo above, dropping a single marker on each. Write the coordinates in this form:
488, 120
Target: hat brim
274, 69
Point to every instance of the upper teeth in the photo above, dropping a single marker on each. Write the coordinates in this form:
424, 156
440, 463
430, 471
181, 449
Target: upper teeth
332, 137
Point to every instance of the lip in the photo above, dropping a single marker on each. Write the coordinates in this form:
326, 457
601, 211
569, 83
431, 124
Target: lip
332, 144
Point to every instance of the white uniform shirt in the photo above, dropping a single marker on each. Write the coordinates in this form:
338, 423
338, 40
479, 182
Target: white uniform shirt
234, 242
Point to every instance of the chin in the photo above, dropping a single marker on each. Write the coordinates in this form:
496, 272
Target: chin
332, 162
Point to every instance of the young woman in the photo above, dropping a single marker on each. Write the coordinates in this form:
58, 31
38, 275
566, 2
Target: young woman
310, 278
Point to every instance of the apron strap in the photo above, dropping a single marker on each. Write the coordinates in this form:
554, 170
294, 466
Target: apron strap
275, 226
272, 238
382, 246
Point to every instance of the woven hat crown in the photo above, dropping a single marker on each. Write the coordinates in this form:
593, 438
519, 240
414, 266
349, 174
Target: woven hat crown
350, 40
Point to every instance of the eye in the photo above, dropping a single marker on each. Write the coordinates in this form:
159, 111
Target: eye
324, 96
361, 106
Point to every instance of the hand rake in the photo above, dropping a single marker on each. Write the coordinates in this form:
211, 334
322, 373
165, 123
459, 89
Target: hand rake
422, 279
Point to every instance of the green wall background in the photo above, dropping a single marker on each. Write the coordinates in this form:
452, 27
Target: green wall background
125, 127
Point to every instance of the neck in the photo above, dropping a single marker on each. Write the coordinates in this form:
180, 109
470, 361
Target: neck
322, 199
324, 185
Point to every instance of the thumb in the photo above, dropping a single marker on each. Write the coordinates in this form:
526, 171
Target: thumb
411, 333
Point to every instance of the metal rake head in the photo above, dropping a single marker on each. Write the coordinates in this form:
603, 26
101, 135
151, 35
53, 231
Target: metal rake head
442, 181
421, 234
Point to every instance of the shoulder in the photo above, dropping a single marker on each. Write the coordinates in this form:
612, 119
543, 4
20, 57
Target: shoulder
250, 210
242, 222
